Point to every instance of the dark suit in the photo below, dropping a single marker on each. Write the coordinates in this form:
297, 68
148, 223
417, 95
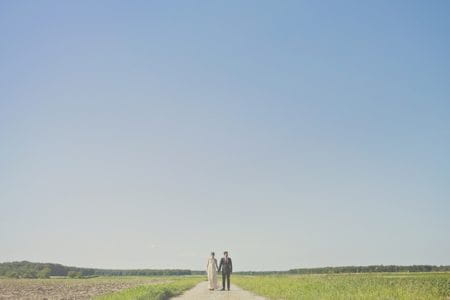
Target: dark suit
226, 266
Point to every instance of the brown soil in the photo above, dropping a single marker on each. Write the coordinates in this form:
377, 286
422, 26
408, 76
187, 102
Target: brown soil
63, 288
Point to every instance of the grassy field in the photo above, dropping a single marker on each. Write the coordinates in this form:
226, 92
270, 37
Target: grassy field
175, 286
123, 287
350, 286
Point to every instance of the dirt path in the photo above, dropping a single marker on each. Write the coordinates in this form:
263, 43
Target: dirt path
201, 292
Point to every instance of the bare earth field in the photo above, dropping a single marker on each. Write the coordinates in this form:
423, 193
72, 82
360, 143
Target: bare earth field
65, 288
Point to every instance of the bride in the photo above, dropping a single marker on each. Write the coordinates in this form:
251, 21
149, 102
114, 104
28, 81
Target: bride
211, 269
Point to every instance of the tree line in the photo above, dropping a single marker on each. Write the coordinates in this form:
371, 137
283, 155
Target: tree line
25, 269
370, 269
354, 269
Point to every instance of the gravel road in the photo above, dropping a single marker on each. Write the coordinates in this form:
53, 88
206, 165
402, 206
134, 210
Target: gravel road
201, 292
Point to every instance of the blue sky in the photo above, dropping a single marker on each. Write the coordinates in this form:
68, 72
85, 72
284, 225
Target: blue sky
294, 134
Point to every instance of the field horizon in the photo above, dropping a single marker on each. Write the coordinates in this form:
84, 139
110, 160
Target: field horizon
27, 269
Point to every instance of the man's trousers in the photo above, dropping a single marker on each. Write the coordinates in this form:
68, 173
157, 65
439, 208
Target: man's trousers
226, 276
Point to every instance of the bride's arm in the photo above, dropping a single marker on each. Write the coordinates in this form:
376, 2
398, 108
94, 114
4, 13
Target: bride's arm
220, 266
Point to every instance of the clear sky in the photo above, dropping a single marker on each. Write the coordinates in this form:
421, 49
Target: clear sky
144, 134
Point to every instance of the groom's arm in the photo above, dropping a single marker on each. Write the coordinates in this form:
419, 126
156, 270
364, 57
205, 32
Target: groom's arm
231, 266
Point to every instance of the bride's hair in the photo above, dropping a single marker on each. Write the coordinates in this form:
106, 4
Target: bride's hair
212, 254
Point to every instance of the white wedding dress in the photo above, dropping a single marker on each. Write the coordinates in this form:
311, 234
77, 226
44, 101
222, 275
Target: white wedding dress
211, 269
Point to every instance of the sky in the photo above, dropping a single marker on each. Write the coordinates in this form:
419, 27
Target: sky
145, 134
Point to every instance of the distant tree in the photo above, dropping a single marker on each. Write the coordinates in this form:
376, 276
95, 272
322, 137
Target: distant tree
12, 274
74, 274
29, 274
44, 273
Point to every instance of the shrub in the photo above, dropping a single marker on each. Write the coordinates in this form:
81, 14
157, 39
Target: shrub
74, 274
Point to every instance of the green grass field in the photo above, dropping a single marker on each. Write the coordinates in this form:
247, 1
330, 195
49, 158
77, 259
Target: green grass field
173, 287
349, 286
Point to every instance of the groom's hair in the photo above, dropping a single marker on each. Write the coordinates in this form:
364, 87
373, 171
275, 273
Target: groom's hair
226, 252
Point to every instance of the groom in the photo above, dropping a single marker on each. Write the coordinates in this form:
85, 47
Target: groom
227, 268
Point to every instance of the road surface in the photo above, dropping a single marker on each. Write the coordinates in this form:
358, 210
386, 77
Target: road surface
201, 292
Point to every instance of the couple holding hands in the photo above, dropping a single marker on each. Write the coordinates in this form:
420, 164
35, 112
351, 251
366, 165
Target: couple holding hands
226, 266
